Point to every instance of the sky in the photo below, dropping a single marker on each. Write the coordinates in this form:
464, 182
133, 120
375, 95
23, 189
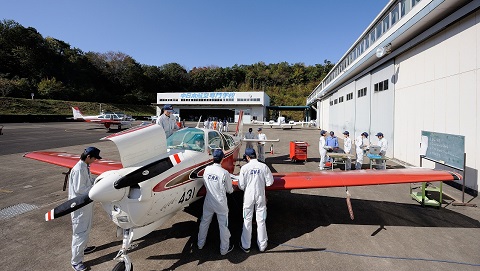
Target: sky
196, 33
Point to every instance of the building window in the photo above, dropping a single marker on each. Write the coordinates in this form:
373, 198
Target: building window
349, 96
394, 14
381, 86
362, 92
331, 103
378, 30
340, 99
386, 23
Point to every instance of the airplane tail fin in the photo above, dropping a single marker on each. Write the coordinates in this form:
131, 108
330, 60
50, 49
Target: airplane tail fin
239, 129
76, 113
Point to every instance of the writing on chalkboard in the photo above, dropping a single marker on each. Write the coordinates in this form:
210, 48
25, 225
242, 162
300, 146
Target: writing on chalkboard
446, 149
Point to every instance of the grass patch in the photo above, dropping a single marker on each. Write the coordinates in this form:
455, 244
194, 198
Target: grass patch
18, 106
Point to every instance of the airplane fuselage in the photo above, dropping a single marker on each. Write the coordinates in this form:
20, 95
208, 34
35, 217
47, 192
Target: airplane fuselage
146, 205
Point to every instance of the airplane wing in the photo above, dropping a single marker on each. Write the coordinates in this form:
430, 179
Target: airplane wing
68, 160
115, 122
324, 179
260, 140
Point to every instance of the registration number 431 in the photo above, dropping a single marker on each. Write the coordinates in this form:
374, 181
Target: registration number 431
187, 195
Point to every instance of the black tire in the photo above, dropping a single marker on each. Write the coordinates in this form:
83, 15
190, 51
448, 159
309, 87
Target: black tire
121, 267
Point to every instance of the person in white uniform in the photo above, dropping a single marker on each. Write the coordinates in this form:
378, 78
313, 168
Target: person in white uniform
218, 183
360, 145
249, 135
261, 145
321, 149
253, 178
347, 148
383, 143
80, 182
167, 121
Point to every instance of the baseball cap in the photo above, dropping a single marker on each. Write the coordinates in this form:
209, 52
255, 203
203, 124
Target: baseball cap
168, 107
259, 129
250, 152
322, 132
346, 133
379, 134
93, 152
218, 153
365, 134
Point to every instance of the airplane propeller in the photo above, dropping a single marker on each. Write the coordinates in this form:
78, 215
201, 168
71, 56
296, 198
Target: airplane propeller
68, 207
110, 186
144, 173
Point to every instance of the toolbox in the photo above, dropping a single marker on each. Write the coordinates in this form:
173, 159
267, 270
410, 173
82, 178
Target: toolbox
298, 151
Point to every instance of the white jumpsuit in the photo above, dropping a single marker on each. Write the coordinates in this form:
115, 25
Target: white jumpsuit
253, 178
79, 183
347, 147
217, 182
383, 143
168, 124
322, 151
359, 144
261, 147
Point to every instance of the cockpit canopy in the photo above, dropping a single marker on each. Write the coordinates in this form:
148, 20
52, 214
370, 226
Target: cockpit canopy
194, 139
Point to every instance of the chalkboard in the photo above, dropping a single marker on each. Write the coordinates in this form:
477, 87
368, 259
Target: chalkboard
446, 149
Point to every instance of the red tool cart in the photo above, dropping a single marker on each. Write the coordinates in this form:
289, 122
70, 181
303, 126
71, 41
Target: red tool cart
298, 151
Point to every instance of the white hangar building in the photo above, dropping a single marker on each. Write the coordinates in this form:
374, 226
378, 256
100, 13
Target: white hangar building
415, 68
192, 105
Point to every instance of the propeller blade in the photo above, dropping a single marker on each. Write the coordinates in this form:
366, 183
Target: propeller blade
67, 207
149, 171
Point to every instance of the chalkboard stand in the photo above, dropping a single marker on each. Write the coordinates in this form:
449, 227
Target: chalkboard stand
455, 203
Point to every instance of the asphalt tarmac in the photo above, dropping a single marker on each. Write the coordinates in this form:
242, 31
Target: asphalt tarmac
308, 229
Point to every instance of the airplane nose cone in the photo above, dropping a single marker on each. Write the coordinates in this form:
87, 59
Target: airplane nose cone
103, 189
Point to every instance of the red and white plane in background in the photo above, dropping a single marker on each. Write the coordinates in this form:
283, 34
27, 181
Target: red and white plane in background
158, 177
281, 123
106, 119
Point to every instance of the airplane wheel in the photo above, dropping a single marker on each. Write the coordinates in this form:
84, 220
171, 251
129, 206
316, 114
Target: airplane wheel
121, 267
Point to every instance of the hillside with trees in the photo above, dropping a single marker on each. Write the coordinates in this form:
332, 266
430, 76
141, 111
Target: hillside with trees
52, 69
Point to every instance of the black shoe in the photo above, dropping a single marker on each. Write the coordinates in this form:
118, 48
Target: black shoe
89, 250
230, 248
246, 250
79, 267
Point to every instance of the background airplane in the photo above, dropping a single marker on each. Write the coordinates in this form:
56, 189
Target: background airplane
158, 177
106, 119
280, 122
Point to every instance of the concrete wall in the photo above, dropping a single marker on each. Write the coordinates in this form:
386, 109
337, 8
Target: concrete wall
434, 86
438, 89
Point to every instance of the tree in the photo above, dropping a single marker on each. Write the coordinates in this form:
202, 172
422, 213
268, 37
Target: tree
51, 89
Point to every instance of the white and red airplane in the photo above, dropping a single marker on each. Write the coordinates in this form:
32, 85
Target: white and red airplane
280, 122
158, 177
106, 119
